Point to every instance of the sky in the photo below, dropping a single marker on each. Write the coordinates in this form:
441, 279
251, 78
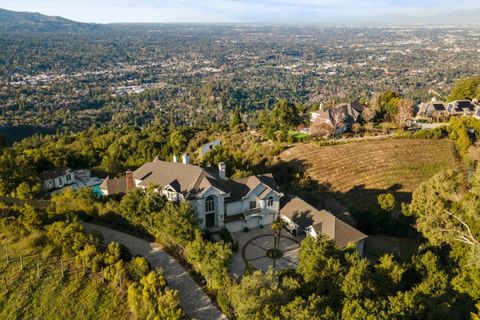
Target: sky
107, 11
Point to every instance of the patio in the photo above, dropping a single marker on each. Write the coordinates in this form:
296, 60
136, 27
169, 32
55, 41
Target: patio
252, 251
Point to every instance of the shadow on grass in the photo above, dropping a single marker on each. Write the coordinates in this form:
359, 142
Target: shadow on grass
358, 206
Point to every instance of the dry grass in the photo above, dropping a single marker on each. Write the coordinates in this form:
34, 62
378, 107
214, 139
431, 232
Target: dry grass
357, 172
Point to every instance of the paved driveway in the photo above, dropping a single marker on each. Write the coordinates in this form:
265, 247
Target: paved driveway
253, 246
193, 299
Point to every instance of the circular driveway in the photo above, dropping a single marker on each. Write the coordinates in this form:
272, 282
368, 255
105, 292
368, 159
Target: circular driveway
254, 252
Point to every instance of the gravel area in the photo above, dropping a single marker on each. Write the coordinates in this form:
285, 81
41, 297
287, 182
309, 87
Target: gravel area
194, 301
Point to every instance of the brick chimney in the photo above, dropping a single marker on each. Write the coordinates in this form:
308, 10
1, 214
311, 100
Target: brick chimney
222, 170
129, 178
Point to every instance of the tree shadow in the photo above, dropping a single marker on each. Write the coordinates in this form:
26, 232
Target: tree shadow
357, 207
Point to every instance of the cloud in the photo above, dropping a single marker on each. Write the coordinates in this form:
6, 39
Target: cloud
230, 10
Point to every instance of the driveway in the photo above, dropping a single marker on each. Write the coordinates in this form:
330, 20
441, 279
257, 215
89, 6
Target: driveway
253, 246
193, 299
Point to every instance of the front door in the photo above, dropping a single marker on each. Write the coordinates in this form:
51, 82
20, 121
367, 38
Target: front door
210, 220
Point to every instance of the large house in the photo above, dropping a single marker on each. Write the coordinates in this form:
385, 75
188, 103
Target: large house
302, 218
248, 202
338, 119
234, 204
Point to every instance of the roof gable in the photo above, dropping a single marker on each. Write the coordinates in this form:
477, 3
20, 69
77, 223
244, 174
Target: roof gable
323, 222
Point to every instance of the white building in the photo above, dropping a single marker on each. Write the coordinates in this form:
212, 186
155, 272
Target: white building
233, 204
248, 202
207, 147
57, 178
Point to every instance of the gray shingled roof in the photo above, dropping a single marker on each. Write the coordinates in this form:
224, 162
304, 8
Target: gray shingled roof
323, 222
53, 173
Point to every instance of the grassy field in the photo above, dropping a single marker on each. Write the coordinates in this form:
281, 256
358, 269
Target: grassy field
25, 296
357, 172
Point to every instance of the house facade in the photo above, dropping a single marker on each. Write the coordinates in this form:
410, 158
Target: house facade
57, 178
234, 204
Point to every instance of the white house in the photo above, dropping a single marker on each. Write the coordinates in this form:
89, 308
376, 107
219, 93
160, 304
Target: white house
302, 218
233, 204
207, 147
57, 178
248, 202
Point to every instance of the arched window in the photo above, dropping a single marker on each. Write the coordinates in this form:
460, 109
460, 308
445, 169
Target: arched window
270, 202
210, 204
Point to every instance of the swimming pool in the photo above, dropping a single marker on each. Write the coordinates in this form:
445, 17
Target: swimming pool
97, 191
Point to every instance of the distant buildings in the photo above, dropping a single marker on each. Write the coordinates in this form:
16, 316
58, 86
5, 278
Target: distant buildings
57, 179
207, 147
441, 111
336, 120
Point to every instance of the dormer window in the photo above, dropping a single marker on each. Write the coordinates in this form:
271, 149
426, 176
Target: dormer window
270, 202
253, 205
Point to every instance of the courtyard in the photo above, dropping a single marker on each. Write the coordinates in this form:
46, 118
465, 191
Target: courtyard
253, 246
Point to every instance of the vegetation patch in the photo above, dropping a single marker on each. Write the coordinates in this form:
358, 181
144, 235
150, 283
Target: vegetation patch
359, 172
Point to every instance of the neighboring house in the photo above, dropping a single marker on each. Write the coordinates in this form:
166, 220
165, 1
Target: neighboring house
120, 185
302, 218
433, 110
248, 202
207, 147
461, 107
338, 119
57, 178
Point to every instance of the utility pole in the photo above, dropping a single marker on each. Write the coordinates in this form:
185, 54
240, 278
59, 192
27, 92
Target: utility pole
21, 263
61, 266
38, 271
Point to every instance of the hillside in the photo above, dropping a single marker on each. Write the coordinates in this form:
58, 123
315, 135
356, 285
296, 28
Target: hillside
14, 21
357, 172
24, 296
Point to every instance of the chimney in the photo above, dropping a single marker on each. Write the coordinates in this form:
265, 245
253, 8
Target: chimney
129, 178
186, 158
175, 158
222, 170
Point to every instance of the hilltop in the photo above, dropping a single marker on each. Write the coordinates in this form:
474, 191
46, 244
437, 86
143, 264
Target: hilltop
14, 21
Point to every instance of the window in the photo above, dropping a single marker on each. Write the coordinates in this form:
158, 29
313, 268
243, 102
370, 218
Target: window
253, 205
270, 202
210, 204
60, 180
69, 177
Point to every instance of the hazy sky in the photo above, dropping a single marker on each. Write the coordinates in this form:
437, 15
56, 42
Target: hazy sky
104, 11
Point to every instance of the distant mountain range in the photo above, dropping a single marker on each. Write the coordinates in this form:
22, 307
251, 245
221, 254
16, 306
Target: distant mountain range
13, 21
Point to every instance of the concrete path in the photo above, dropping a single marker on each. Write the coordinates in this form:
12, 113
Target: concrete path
193, 300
